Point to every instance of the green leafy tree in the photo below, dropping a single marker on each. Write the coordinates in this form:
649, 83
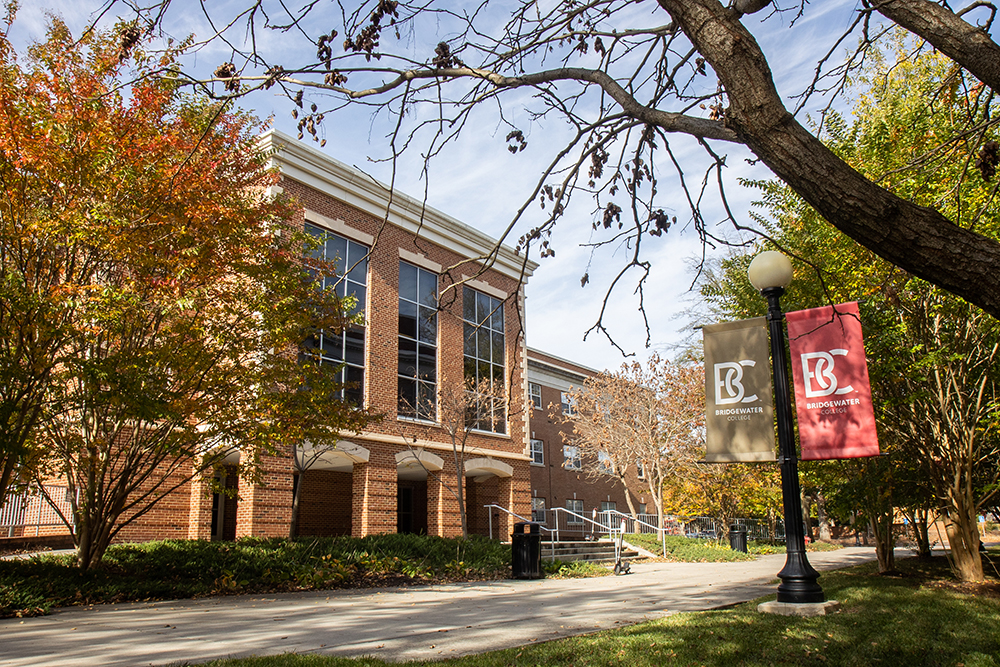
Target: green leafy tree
138, 227
932, 356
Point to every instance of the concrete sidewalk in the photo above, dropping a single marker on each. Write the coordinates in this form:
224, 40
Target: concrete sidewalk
424, 622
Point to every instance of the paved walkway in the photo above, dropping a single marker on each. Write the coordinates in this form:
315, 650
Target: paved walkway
424, 622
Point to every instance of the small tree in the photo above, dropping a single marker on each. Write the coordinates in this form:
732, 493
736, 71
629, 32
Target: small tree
460, 408
651, 415
178, 345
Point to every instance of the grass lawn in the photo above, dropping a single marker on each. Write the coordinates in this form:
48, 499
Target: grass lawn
919, 618
688, 550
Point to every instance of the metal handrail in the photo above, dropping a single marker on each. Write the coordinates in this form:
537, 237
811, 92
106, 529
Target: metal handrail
662, 530
604, 528
552, 542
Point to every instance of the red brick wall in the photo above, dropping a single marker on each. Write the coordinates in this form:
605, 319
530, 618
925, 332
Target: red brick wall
170, 516
265, 510
325, 505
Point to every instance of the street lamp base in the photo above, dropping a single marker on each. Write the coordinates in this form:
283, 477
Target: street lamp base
799, 583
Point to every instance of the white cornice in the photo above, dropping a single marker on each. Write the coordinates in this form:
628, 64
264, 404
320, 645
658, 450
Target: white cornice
303, 163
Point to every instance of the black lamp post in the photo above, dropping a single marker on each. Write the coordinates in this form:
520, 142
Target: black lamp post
771, 272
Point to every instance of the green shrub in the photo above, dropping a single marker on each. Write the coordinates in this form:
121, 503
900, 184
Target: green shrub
181, 568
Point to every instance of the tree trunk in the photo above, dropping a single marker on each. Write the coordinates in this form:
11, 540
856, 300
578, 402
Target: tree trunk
824, 518
9, 461
919, 524
963, 540
293, 529
885, 544
806, 518
918, 239
460, 492
628, 501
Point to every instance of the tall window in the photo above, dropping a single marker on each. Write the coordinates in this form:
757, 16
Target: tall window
577, 507
604, 463
640, 471
538, 509
571, 458
568, 403
535, 394
484, 359
351, 279
537, 452
417, 342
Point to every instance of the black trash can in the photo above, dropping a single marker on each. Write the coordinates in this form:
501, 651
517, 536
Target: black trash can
526, 551
738, 538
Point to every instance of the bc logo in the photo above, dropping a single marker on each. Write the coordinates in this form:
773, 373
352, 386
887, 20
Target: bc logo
729, 389
822, 373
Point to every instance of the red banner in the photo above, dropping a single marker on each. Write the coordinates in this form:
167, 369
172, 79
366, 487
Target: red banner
833, 398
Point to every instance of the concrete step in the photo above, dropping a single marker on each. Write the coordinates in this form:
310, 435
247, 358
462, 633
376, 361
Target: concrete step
586, 551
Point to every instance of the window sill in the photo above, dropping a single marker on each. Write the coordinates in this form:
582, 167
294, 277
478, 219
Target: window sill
417, 420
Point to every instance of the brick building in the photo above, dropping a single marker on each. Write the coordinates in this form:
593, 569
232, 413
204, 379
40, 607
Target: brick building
558, 478
432, 320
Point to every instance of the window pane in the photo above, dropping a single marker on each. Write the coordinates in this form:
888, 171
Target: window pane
428, 289
496, 318
470, 340
497, 348
482, 307
407, 319
357, 263
359, 292
470, 370
483, 344
426, 400
428, 325
407, 357
336, 249
428, 363
407, 397
333, 346
468, 304
355, 378
354, 350
407, 281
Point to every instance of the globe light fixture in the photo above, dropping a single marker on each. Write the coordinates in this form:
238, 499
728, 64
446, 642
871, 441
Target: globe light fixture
771, 272
770, 269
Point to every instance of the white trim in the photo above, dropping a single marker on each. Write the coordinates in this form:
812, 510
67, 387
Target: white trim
418, 458
340, 227
420, 443
485, 466
309, 166
484, 287
540, 377
419, 260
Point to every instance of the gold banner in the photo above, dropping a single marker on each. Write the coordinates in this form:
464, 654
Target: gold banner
739, 413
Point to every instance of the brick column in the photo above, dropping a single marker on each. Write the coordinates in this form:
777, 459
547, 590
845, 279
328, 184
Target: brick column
436, 494
200, 515
373, 506
506, 500
451, 519
265, 509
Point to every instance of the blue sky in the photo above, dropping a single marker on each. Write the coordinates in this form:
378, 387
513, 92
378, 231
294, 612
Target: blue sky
478, 181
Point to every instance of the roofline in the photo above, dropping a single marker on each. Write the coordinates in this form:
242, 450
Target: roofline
303, 163
588, 369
